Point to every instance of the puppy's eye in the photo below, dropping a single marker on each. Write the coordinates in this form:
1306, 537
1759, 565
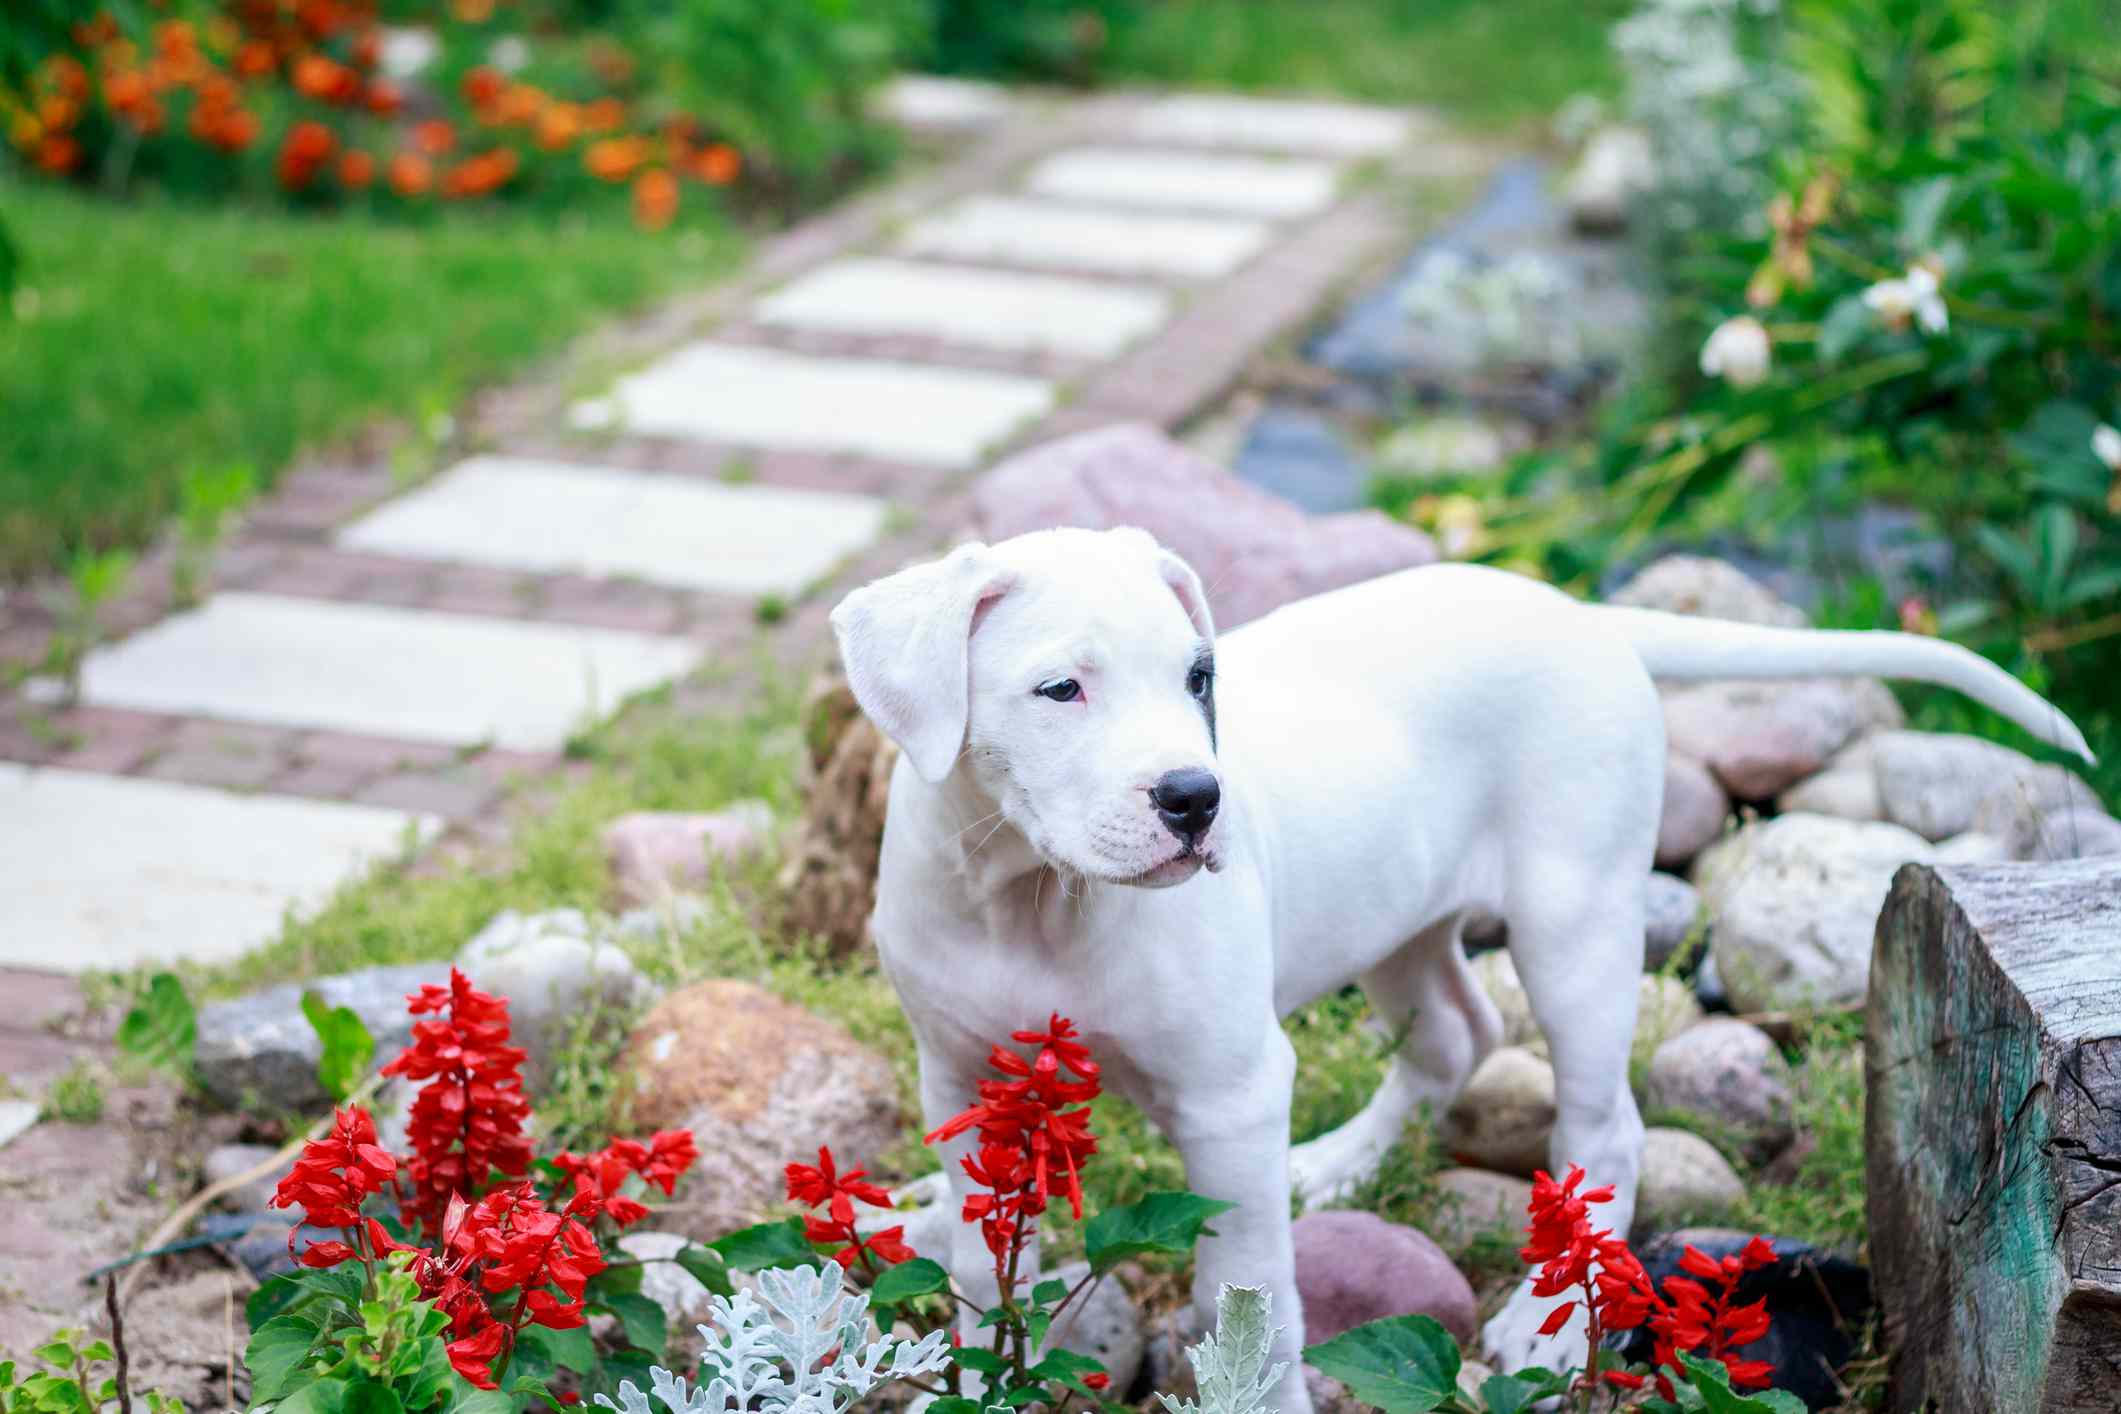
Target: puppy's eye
1061, 690
1199, 681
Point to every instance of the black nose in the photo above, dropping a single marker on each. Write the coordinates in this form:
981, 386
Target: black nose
1186, 801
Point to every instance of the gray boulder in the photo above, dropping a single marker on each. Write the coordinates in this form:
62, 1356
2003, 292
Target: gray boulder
1471, 1203
1504, 1116
1942, 784
260, 1049
1696, 808
1760, 738
1730, 1074
1684, 1179
557, 973
1792, 904
1710, 588
1671, 906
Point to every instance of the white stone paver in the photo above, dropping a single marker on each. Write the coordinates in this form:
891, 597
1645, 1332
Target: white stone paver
1017, 231
944, 105
998, 309
1186, 181
765, 398
389, 672
109, 872
1274, 125
553, 517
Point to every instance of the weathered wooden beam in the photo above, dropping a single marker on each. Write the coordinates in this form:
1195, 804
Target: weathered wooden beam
1993, 1139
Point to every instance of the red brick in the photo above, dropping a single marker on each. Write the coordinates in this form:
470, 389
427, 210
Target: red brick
350, 751
111, 739
455, 794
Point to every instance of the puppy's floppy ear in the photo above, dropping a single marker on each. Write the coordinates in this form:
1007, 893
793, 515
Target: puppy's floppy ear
907, 644
1186, 585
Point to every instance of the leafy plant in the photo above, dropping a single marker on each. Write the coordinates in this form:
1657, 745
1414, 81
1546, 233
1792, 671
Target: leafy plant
1230, 1365
347, 1046
93, 580
64, 1380
161, 1028
207, 499
75, 1095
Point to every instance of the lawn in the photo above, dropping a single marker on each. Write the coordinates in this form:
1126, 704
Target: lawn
152, 338
1490, 62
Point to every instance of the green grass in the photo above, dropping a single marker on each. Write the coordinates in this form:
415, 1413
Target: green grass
155, 338
1487, 62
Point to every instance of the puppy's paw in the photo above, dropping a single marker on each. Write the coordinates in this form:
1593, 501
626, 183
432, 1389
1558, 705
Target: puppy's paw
1511, 1340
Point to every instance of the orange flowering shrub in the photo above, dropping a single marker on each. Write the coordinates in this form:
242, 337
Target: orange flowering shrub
287, 96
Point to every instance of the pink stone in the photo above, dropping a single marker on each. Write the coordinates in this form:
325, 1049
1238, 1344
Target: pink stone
1353, 1267
1253, 550
655, 853
1695, 808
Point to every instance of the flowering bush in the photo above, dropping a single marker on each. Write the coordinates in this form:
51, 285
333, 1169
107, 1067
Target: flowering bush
490, 1264
289, 95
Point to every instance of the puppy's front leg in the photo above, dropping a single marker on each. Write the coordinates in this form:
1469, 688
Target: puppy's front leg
1234, 1138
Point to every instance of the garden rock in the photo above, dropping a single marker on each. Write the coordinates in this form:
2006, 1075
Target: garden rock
557, 973
2035, 810
1941, 784
227, 1160
1707, 587
1616, 168
1253, 550
1708, 986
1106, 1325
1472, 1203
1671, 905
2072, 834
1849, 793
1355, 1267
261, 1050
655, 854
760, 1083
1792, 905
1665, 1008
1451, 446
1729, 1074
1695, 810
1684, 1179
1815, 1298
827, 882
1760, 738
1502, 1119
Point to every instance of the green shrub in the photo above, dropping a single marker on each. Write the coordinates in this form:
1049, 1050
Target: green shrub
1052, 39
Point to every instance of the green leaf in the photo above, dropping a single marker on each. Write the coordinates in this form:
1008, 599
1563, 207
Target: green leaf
1048, 1291
469, 1400
646, 1325
162, 1027
768, 1245
1161, 1222
97, 1350
972, 1357
315, 1397
59, 1354
347, 1045
1068, 1368
1713, 1383
902, 1283
372, 1397
1512, 1394
955, 1404
1845, 325
566, 1350
435, 1375
296, 1290
622, 1279
707, 1268
1404, 1365
276, 1351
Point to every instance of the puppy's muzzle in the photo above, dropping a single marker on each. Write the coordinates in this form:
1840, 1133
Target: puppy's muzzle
1186, 801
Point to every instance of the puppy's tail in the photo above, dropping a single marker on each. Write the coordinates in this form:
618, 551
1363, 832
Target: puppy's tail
1682, 647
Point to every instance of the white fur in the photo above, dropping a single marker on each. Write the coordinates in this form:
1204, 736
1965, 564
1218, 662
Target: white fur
1397, 758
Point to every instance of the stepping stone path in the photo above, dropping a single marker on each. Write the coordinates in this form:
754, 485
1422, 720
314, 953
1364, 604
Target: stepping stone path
379, 662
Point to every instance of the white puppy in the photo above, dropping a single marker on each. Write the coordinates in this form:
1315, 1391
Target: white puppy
1359, 774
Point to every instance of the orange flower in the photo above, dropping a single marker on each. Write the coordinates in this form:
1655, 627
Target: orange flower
256, 59
127, 91
385, 98
655, 199
68, 75
558, 126
616, 158
478, 176
605, 115
717, 164
328, 82
58, 153
367, 50
57, 111
519, 104
482, 85
473, 12
175, 39
434, 137
322, 18
411, 174
311, 142
233, 130
356, 170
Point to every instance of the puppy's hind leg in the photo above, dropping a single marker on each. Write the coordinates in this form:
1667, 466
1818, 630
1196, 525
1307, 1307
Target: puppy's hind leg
1428, 990
1577, 940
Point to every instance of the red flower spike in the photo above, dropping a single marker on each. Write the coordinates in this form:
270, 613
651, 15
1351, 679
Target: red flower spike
824, 1186
331, 1179
467, 1122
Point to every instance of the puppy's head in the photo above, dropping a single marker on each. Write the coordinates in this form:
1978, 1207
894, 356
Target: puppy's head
1072, 674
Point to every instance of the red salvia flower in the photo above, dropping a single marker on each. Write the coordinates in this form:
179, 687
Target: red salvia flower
467, 1122
331, 1179
824, 1186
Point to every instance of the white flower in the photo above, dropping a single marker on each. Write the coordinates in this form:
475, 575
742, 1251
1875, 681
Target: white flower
1737, 352
2106, 446
1916, 297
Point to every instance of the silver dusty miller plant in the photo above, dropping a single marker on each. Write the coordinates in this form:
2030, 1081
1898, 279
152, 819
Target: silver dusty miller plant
1231, 1365
773, 1358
